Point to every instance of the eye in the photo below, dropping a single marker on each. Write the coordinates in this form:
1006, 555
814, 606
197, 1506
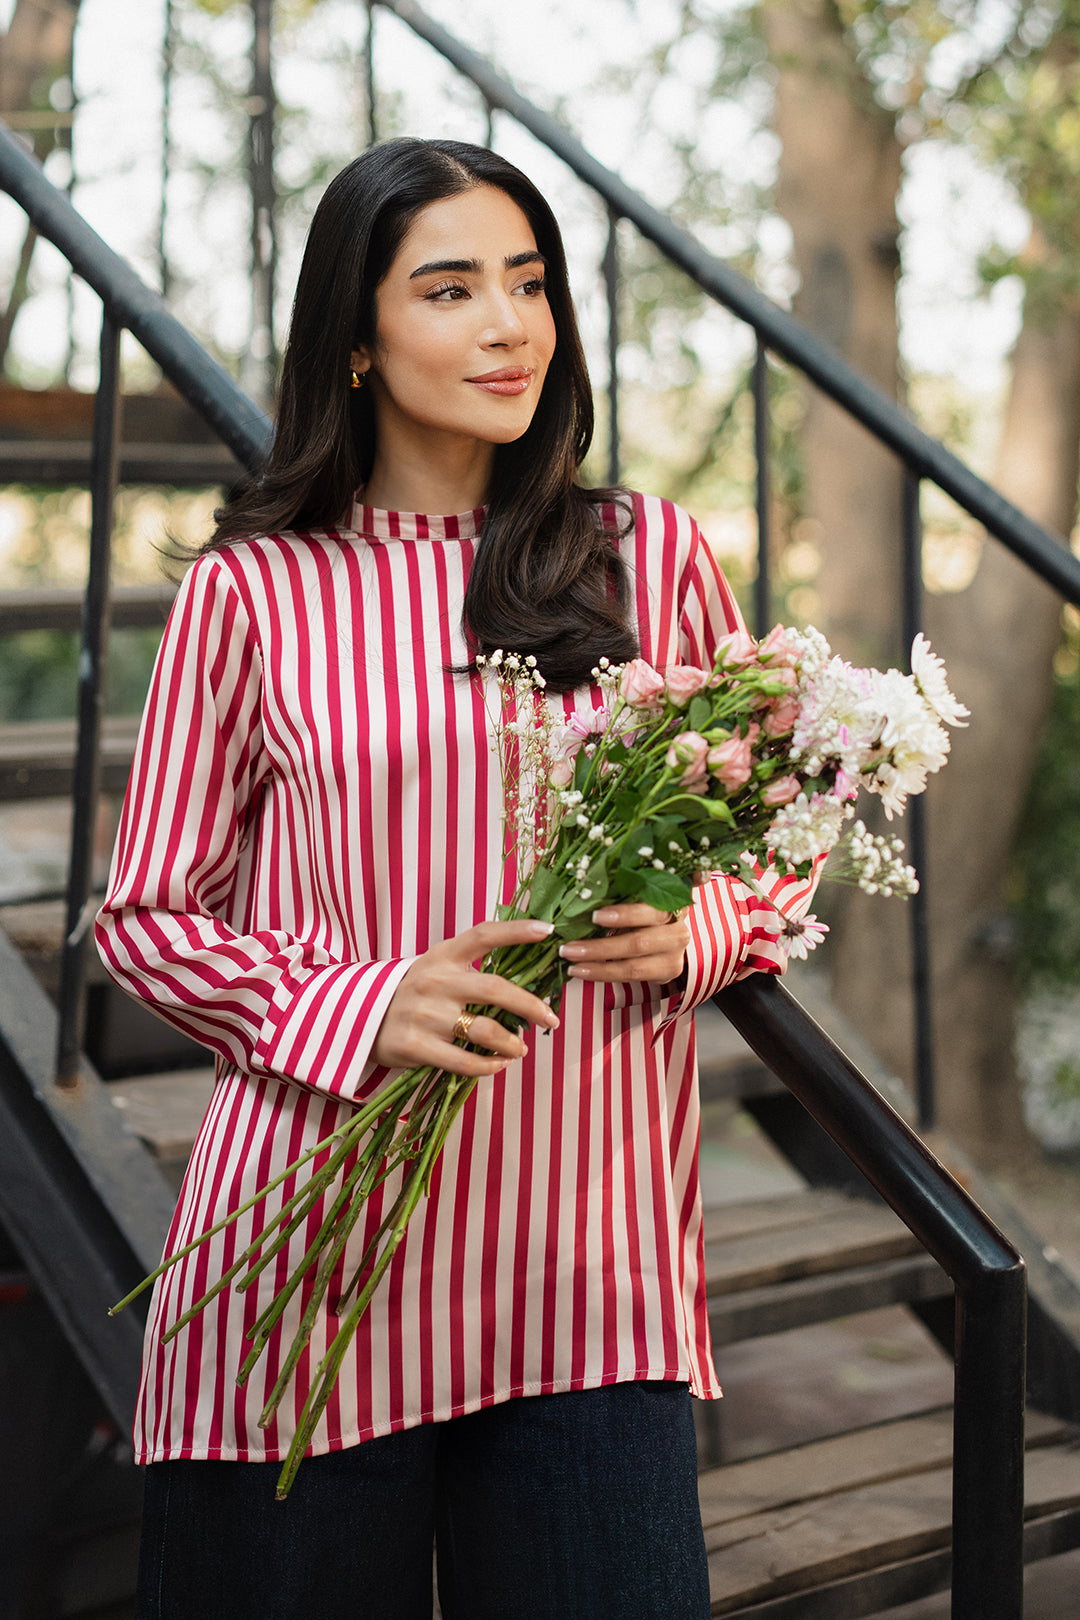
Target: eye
533, 288
448, 291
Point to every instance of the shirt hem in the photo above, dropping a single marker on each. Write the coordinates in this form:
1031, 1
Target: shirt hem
354, 1437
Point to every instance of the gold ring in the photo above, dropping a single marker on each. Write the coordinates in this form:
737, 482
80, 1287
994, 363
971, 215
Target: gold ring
461, 1028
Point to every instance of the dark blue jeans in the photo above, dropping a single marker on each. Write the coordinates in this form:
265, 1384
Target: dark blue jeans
544, 1508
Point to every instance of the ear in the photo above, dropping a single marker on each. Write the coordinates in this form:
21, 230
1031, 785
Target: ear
360, 361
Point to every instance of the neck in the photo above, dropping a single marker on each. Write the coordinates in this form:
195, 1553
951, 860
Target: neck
445, 474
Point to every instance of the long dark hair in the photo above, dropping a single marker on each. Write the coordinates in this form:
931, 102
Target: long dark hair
546, 578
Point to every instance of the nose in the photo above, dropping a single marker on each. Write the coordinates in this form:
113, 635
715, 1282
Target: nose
504, 327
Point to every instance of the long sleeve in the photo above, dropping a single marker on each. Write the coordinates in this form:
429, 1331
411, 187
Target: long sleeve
266, 1001
733, 930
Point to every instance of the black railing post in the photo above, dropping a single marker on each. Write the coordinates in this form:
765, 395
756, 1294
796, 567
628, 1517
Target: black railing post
611, 288
762, 584
95, 635
988, 1446
921, 989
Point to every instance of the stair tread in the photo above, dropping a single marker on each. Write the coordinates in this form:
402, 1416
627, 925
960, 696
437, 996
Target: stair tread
165, 1110
793, 1520
798, 1235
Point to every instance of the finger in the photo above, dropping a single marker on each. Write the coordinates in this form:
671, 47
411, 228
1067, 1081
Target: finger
491, 989
659, 968
462, 1060
630, 914
488, 1035
631, 942
475, 942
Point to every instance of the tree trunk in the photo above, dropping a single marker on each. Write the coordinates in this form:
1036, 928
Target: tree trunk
34, 51
999, 638
839, 173
838, 180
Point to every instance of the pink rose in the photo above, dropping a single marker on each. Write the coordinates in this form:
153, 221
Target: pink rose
562, 773
683, 682
736, 650
753, 732
689, 749
640, 684
781, 791
781, 718
776, 648
731, 762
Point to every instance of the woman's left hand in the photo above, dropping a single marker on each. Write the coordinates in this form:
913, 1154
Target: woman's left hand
641, 943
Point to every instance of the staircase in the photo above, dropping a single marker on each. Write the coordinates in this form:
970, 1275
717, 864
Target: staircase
840, 1526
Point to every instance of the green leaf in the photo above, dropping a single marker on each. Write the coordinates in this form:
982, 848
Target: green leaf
579, 927
627, 805
582, 765
545, 892
665, 891
699, 713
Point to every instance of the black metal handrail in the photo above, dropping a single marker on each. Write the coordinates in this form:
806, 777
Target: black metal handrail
988, 1273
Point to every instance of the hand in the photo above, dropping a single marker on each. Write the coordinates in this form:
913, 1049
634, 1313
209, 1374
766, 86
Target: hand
418, 1026
641, 943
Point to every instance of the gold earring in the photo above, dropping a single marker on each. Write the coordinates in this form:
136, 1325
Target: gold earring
357, 379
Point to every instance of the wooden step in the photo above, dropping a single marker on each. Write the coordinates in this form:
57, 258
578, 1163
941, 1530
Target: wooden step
166, 1110
773, 1264
67, 462
37, 757
726, 1065
862, 1521
59, 607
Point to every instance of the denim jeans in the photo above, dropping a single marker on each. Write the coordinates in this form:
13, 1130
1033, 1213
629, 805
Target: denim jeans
542, 1508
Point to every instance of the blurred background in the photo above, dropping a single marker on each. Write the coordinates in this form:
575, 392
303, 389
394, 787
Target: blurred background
905, 179
905, 176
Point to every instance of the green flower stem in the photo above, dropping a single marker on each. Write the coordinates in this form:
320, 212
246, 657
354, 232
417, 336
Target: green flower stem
333, 1248
327, 1371
261, 1329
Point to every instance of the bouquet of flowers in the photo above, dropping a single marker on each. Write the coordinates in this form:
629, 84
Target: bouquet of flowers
673, 778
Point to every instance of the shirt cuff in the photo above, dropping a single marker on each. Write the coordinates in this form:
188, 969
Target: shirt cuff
319, 1030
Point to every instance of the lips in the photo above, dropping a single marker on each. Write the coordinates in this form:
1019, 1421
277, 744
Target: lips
507, 380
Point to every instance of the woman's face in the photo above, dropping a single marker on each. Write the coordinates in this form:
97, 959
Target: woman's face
463, 330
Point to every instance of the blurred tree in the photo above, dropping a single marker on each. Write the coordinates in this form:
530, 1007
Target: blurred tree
35, 98
852, 83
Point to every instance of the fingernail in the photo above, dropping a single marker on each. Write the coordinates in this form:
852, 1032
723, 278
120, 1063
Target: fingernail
541, 929
572, 952
605, 915
551, 1021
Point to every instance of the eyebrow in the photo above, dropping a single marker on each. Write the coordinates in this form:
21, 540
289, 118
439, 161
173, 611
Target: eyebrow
475, 267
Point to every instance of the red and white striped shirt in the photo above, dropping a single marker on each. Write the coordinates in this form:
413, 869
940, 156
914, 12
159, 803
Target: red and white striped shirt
313, 804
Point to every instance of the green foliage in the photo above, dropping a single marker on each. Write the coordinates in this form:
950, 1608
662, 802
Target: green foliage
1046, 876
39, 673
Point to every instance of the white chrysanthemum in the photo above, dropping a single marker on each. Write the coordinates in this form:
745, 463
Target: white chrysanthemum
930, 677
838, 719
910, 729
806, 828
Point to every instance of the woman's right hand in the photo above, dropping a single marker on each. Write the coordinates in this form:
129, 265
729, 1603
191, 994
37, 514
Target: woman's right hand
418, 1026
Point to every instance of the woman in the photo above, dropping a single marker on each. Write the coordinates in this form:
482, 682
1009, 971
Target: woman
309, 862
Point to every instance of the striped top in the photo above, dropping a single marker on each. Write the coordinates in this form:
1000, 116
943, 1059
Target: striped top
314, 803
